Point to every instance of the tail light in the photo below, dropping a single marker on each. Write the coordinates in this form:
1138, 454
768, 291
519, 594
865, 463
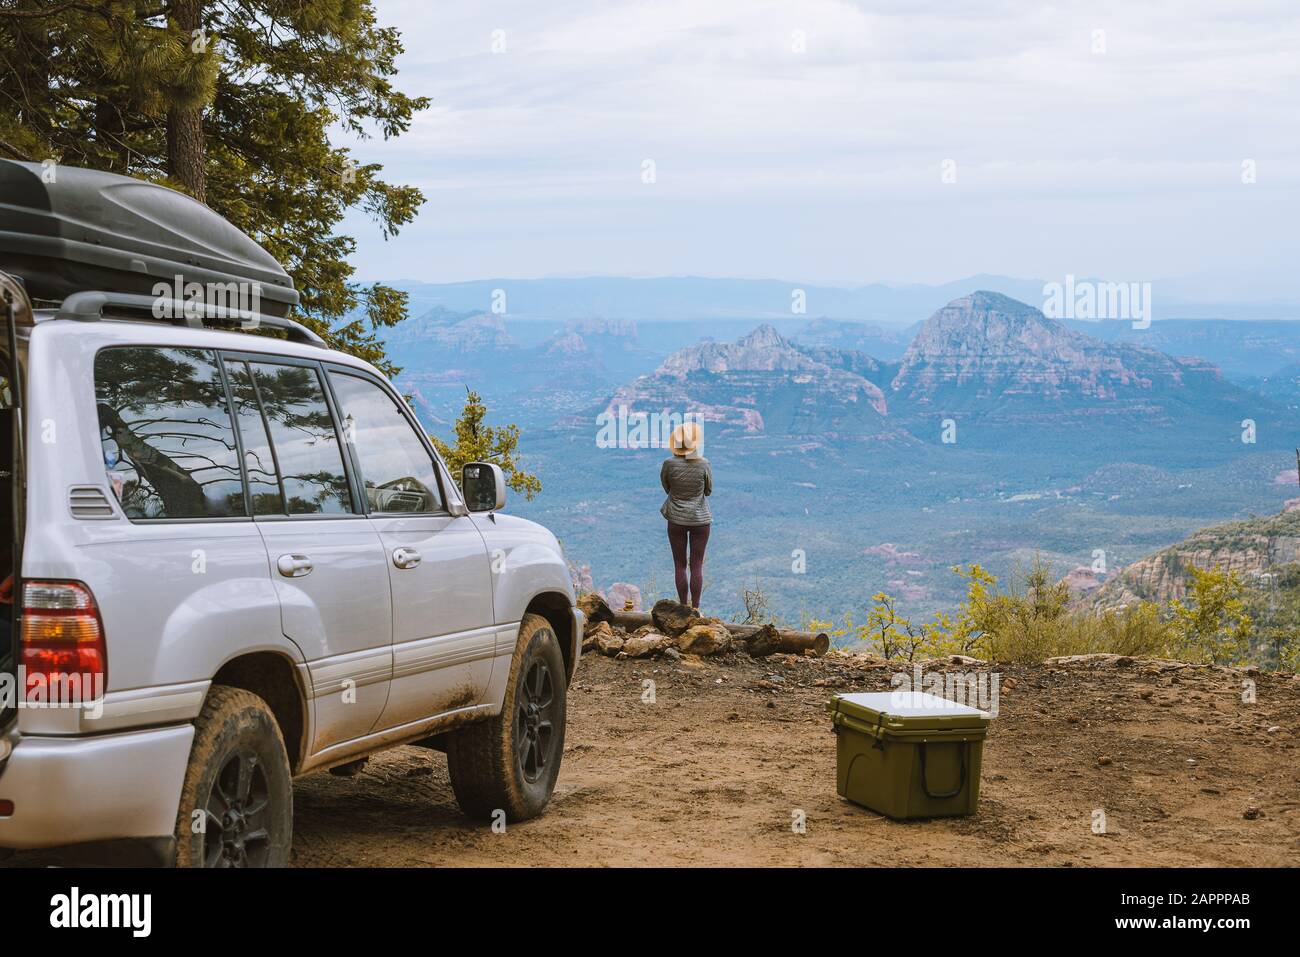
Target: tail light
62, 633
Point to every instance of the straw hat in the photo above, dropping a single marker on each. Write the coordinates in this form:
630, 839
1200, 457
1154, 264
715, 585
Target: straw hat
687, 439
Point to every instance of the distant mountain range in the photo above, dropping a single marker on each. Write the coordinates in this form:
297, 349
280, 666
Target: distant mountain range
696, 298
1282, 386
882, 340
996, 369
1244, 350
442, 348
1251, 344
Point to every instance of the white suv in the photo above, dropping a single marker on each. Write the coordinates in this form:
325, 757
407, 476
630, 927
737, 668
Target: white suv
250, 553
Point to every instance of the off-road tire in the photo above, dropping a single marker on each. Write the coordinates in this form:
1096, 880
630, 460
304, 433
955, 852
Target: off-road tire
235, 732
493, 765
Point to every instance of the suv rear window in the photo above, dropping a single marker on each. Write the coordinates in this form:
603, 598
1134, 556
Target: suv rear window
165, 429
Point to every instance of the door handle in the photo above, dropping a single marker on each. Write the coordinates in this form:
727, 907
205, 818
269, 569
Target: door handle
406, 557
293, 566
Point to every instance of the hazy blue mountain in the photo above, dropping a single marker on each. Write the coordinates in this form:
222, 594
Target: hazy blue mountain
1009, 376
764, 383
1244, 350
697, 298
880, 320
998, 371
883, 341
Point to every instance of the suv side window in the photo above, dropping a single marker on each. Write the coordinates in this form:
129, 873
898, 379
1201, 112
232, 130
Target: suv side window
259, 457
306, 446
396, 468
165, 428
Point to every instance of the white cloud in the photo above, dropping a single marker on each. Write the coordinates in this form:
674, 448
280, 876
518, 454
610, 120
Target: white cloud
825, 164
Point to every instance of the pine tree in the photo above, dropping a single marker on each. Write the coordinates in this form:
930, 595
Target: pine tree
232, 102
477, 441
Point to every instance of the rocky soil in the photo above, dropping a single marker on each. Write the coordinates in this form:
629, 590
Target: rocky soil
711, 760
691, 760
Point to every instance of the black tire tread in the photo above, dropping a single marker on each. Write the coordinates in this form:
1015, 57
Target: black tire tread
480, 757
222, 705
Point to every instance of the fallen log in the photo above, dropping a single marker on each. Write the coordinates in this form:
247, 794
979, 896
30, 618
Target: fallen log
765, 637
769, 639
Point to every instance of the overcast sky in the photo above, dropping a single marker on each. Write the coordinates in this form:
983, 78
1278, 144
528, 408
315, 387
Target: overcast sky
809, 140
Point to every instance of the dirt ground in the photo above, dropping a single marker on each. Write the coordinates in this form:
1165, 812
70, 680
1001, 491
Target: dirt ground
713, 773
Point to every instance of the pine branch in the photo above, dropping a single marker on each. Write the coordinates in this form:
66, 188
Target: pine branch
52, 11
16, 152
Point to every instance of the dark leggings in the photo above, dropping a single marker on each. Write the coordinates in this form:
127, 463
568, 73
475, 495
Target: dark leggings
698, 537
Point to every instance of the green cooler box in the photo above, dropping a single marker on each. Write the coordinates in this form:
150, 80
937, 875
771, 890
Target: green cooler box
908, 754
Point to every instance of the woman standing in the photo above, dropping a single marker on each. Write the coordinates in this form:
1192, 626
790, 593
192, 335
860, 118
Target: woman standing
688, 480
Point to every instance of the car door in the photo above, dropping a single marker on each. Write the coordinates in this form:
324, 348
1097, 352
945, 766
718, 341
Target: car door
438, 569
327, 561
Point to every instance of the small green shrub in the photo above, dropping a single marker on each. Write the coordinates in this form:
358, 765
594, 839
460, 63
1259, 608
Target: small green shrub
1212, 625
1033, 620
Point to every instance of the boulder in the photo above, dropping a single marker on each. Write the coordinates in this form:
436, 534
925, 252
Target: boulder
592, 633
704, 638
601, 637
610, 644
643, 646
595, 608
671, 618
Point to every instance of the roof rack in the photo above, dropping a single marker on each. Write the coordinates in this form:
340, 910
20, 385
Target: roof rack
89, 306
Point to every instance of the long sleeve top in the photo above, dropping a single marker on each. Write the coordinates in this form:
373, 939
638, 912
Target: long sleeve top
688, 483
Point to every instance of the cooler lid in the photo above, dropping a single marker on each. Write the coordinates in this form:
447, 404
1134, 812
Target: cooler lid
908, 711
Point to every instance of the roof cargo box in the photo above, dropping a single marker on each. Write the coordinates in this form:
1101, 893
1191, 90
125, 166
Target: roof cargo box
87, 229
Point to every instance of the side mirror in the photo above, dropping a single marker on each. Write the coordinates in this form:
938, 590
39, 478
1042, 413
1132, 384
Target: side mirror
484, 487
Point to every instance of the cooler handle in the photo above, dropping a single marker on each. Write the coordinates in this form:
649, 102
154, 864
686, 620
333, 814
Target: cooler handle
925, 784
